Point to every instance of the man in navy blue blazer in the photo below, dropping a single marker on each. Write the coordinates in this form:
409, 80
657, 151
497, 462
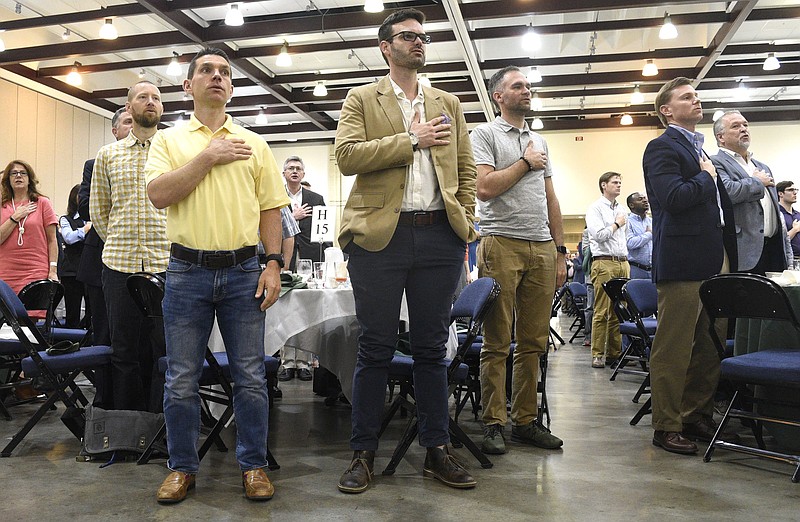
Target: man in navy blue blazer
693, 239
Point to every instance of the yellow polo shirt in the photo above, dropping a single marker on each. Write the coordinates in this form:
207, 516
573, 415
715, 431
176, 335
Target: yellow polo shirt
223, 211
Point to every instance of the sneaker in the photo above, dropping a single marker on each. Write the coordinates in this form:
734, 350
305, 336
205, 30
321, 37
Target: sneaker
494, 443
597, 362
587, 341
536, 434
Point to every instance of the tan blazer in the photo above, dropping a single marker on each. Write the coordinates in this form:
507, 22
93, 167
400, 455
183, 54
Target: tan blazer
373, 144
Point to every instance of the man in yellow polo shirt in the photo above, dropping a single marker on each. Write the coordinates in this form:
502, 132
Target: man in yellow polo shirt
221, 187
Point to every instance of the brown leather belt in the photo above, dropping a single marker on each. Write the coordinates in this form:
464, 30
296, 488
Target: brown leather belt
213, 259
421, 219
620, 259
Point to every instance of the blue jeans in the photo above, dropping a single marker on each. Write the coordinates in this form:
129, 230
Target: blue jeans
426, 262
193, 295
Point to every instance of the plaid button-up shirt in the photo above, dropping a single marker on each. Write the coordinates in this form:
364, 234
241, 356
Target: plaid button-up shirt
134, 230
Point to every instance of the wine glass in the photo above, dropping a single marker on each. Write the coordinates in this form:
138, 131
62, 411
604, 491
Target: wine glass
304, 269
319, 274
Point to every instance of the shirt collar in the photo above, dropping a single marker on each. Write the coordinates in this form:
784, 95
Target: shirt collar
503, 124
402, 95
610, 204
195, 124
131, 140
695, 138
737, 155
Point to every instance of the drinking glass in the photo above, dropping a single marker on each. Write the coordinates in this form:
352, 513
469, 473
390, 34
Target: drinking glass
341, 276
305, 269
319, 274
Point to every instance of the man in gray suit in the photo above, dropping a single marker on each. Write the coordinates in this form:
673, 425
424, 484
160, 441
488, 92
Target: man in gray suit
760, 235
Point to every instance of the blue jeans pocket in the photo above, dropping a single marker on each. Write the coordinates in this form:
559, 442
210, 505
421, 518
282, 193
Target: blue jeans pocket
178, 266
251, 265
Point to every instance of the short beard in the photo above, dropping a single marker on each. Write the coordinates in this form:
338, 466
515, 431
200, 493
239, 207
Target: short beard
145, 121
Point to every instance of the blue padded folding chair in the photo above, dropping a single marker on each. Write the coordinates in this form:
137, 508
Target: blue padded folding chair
634, 340
748, 296
576, 293
472, 304
641, 300
147, 291
46, 294
56, 372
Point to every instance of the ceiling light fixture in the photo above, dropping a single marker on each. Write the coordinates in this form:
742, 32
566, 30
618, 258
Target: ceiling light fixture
626, 119
284, 59
234, 15
650, 69
174, 68
66, 34
2, 43
717, 115
261, 118
537, 124
142, 74
424, 80
742, 93
536, 102
320, 89
74, 77
373, 6
108, 31
534, 76
668, 31
531, 40
771, 63
636, 96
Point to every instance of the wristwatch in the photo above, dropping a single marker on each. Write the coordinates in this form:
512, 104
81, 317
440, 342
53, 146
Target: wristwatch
561, 249
414, 140
278, 258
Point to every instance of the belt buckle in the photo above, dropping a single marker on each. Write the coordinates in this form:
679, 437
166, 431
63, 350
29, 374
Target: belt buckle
217, 260
423, 215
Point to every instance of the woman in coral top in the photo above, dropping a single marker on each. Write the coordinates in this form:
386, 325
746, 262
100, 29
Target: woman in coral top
28, 247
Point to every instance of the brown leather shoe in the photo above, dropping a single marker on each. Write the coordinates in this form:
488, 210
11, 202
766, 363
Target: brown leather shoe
674, 442
175, 487
442, 466
257, 485
357, 477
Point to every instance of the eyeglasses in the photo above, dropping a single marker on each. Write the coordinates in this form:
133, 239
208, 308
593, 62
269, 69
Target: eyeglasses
17, 174
410, 36
791, 190
293, 167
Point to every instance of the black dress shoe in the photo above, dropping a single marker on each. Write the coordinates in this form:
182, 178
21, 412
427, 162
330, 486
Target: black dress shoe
304, 374
674, 442
357, 477
704, 430
276, 392
287, 374
442, 466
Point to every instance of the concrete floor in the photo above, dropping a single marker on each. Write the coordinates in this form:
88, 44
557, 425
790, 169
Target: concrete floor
608, 470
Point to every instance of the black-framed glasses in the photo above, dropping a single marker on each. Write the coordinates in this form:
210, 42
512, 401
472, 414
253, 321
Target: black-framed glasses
791, 190
17, 173
410, 36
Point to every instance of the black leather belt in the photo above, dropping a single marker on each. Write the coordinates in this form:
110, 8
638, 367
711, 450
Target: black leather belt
646, 268
620, 259
421, 219
213, 259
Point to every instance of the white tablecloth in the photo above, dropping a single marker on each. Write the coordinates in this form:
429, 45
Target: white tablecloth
322, 322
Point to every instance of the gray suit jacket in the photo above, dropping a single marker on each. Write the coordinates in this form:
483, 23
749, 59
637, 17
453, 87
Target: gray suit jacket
746, 193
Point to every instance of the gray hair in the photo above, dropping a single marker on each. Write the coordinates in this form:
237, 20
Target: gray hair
294, 158
719, 126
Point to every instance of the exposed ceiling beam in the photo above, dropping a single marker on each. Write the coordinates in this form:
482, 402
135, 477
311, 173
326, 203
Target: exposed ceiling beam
725, 34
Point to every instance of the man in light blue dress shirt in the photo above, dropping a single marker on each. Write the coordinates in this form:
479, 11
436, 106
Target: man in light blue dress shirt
640, 236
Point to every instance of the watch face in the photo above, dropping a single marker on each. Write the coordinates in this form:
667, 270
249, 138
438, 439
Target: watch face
414, 138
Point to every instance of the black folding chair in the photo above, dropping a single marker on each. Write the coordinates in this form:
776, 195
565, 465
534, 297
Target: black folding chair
748, 296
46, 294
473, 304
147, 291
641, 300
57, 373
577, 295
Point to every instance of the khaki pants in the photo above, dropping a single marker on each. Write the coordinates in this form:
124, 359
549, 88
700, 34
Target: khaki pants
606, 339
684, 364
526, 272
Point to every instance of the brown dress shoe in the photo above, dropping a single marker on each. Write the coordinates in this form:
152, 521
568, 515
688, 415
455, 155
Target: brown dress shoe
442, 466
257, 485
357, 477
704, 431
674, 442
175, 487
